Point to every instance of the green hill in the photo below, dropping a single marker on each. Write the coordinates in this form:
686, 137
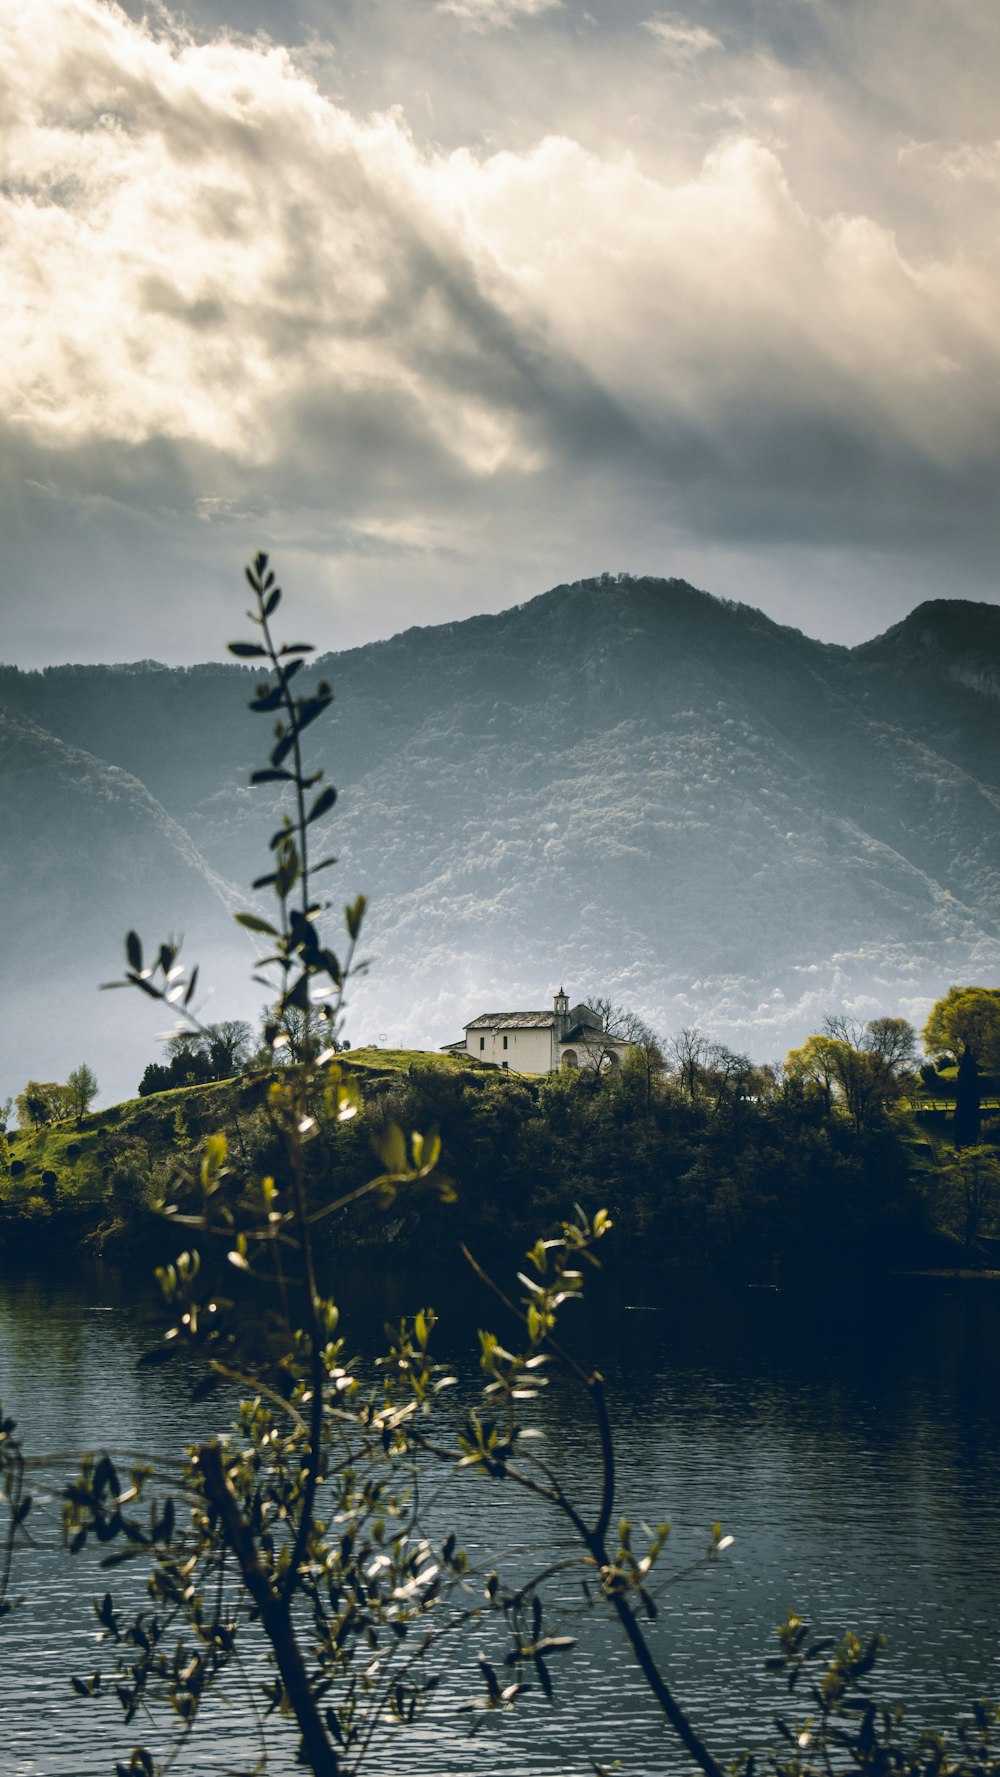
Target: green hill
97, 1177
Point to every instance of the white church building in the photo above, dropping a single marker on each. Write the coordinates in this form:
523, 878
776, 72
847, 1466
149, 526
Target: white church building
541, 1042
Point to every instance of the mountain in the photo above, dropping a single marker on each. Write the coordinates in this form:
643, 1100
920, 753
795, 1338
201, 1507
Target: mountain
87, 853
625, 785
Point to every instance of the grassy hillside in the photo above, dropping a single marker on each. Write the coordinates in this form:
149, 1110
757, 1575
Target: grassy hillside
89, 1176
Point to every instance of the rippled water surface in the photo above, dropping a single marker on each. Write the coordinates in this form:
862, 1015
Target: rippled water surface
850, 1443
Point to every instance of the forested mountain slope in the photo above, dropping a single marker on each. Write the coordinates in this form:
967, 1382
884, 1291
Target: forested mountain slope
88, 852
628, 786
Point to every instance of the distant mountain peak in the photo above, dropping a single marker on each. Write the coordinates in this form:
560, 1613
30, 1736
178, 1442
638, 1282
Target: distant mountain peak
661, 794
953, 626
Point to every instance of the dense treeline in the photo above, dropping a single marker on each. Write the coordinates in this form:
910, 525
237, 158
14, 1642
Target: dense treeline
755, 1172
750, 1181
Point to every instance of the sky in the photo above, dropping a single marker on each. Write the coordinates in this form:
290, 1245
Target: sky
444, 302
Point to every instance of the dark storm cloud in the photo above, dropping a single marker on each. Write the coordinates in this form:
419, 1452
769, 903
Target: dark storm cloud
676, 290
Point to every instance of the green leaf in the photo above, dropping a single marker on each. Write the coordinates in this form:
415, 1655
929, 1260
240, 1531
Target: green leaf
287, 874
133, 950
268, 698
322, 805
298, 996
254, 924
392, 1149
303, 935
353, 914
283, 748
137, 981
216, 1149
309, 709
272, 777
151, 1360
247, 650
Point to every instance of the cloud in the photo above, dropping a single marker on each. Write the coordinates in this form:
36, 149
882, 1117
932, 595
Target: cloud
202, 248
199, 246
492, 15
678, 38
231, 294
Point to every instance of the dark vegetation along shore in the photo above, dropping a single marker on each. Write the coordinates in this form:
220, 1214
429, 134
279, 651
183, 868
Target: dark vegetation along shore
765, 1184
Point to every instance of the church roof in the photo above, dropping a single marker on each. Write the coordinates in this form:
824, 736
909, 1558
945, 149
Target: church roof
512, 1021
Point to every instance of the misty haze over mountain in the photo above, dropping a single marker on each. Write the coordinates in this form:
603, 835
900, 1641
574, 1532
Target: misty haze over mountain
626, 786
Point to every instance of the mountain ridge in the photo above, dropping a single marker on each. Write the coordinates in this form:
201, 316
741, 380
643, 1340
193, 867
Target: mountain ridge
625, 783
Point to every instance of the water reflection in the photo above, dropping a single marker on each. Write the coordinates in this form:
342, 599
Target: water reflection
852, 1445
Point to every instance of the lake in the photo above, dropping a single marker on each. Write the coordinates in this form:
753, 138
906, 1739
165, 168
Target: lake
849, 1442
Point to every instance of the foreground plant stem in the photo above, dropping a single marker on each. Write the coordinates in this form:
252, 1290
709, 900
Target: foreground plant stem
595, 1539
316, 1378
623, 1610
275, 1614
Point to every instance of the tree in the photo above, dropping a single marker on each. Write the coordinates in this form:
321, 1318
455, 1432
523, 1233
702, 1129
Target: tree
968, 1101
183, 1047
82, 1083
972, 1194
289, 1037
687, 1053
645, 1062
966, 1020
620, 1022
965, 1024
894, 1041
864, 1065
188, 1065
871, 1061
727, 1073
43, 1102
599, 1045
212, 1052
229, 1045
